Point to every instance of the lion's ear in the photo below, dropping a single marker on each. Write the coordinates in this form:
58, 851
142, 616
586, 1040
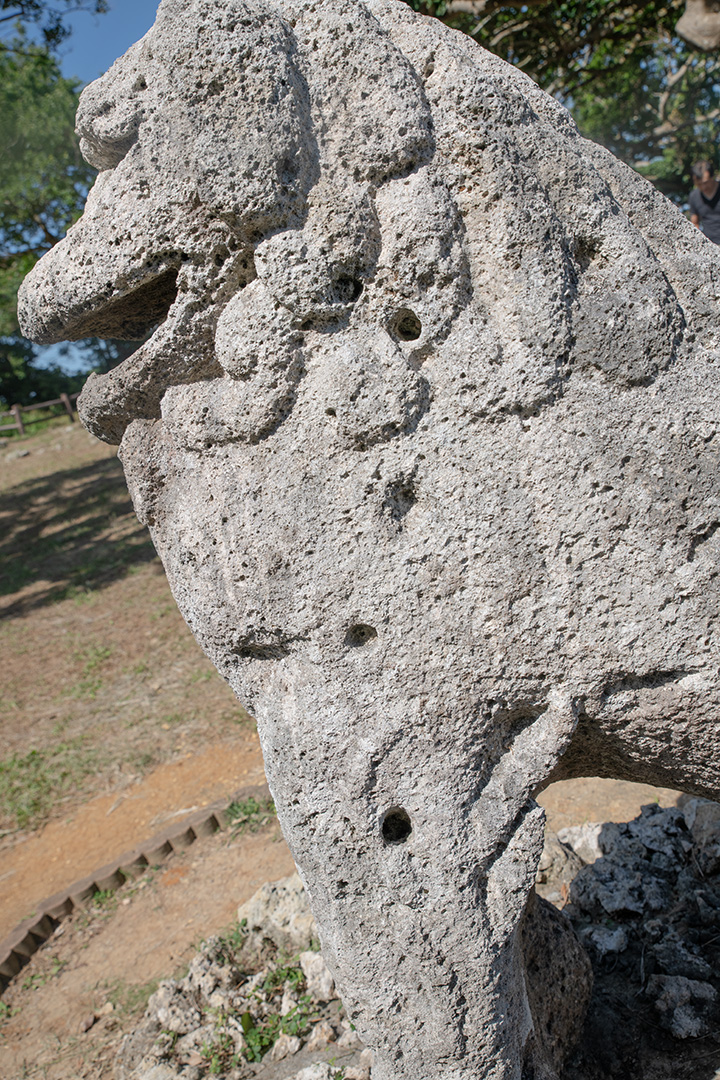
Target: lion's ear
111, 109
371, 119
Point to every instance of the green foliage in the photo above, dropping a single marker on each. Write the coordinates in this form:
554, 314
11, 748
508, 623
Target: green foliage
233, 940
278, 977
131, 999
249, 815
629, 81
261, 1035
34, 982
220, 1054
44, 182
43, 178
105, 899
90, 682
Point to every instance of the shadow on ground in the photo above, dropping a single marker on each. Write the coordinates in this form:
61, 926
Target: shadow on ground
66, 533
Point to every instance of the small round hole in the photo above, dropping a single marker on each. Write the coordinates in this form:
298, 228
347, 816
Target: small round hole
330, 412
348, 289
396, 826
406, 326
360, 634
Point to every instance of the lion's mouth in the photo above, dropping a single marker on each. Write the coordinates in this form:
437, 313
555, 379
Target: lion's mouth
132, 316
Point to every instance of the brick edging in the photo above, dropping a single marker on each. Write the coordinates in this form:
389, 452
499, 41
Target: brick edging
17, 948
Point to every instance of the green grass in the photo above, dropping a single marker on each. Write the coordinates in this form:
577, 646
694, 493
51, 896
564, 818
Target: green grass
176, 718
34, 982
249, 815
32, 783
92, 659
129, 998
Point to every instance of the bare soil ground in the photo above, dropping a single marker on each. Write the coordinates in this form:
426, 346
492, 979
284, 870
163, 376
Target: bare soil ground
112, 722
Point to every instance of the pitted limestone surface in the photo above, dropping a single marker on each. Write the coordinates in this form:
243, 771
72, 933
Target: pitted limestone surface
426, 436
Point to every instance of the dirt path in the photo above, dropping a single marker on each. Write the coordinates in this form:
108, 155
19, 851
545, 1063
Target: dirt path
574, 802
106, 962
94, 834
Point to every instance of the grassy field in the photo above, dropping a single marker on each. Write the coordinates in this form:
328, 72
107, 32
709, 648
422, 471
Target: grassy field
100, 678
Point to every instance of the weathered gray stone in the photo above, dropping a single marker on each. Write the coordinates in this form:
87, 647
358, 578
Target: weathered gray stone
558, 981
605, 940
682, 1004
279, 912
584, 840
700, 24
174, 1010
427, 438
320, 985
319, 1071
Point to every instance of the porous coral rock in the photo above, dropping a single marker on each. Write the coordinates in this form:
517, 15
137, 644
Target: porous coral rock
426, 432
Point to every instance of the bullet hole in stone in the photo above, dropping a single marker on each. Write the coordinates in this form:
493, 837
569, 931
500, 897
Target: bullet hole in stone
406, 326
330, 412
348, 289
396, 826
360, 635
400, 497
585, 250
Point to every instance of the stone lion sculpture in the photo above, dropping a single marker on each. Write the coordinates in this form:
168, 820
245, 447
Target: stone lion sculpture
426, 435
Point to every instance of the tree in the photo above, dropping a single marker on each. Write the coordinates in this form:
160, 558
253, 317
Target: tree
49, 18
43, 185
44, 182
629, 80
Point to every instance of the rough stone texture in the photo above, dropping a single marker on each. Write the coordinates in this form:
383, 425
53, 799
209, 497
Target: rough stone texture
426, 438
320, 983
655, 956
700, 24
279, 913
233, 1019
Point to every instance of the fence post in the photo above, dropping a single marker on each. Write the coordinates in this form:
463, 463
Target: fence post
68, 407
17, 413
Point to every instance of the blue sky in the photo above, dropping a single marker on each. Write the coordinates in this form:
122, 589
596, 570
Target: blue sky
98, 40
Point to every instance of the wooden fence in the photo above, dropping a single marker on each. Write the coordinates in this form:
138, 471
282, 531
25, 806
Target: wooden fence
18, 424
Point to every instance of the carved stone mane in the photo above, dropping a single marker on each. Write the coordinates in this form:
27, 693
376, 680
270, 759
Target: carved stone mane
426, 437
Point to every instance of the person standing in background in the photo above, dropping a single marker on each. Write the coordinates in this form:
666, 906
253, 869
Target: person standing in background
705, 200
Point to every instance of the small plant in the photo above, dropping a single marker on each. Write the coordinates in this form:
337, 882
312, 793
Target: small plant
249, 815
105, 899
174, 718
131, 999
233, 939
261, 1035
220, 1054
290, 974
5, 1011
34, 982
